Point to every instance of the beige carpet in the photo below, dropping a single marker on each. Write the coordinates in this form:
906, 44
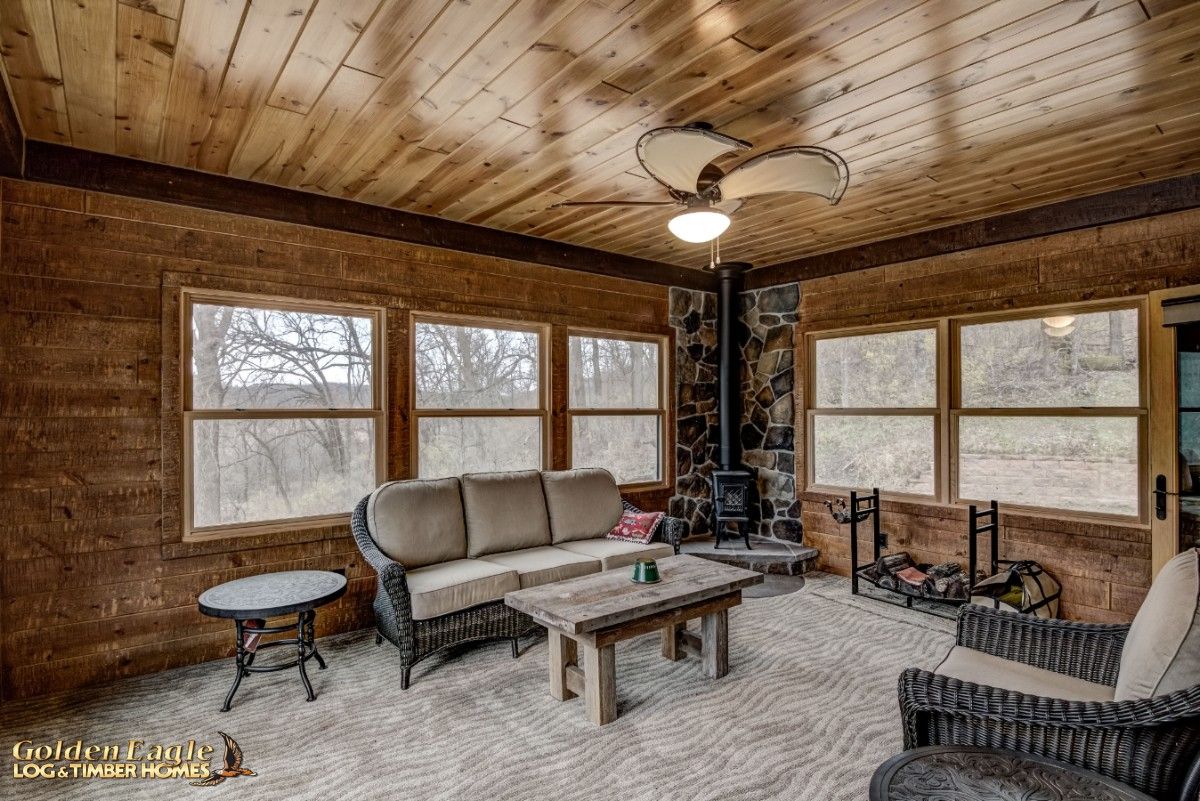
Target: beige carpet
807, 712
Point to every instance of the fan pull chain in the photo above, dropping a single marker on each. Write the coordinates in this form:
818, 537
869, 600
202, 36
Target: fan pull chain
714, 253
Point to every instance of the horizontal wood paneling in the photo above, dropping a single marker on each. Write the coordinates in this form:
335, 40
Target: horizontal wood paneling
1105, 568
92, 589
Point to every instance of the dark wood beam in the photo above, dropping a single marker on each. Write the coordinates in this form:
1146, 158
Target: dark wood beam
12, 137
1143, 200
100, 172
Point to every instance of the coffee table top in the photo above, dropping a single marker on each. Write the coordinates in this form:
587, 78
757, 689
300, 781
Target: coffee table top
599, 600
972, 773
271, 594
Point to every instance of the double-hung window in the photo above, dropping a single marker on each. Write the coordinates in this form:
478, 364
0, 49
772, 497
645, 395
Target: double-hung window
283, 413
479, 397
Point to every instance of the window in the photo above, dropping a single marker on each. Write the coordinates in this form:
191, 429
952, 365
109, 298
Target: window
1042, 410
479, 397
616, 410
1049, 411
874, 416
283, 413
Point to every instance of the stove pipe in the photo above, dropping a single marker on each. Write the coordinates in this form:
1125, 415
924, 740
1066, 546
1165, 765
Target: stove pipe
729, 365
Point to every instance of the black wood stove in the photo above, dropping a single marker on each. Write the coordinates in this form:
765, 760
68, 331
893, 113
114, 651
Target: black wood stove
733, 486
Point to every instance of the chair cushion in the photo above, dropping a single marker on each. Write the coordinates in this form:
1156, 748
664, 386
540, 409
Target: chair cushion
452, 586
504, 512
1162, 650
418, 523
966, 664
615, 553
583, 504
543, 565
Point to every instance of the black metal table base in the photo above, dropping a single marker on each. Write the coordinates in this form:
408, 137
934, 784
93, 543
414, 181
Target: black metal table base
304, 643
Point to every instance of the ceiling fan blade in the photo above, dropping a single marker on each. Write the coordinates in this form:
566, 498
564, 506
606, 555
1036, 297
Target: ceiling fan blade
675, 156
813, 170
566, 203
729, 206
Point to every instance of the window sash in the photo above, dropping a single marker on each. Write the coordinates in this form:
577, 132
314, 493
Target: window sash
189, 415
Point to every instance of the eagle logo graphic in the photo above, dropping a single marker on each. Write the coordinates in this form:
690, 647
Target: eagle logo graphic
233, 764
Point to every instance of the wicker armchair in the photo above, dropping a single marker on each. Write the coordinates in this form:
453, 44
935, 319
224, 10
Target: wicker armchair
1152, 744
418, 639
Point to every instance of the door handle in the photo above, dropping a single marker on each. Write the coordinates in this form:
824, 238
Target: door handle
1160, 496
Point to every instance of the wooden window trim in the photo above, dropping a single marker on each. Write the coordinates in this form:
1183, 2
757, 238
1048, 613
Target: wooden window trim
377, 412
541, 411
949, 410
660, 411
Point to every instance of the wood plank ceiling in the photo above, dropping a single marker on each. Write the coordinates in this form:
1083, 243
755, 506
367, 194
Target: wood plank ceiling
489, 111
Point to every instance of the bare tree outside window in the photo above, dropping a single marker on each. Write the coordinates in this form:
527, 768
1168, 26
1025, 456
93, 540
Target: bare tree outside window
478, 398
616, 406
283, 417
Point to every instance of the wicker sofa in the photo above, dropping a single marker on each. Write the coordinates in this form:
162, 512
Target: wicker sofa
1120, 700
447, 550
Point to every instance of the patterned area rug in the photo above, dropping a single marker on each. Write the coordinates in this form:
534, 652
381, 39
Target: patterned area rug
807, 712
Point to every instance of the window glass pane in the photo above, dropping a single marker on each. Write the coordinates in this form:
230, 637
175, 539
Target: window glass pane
613, 374
245, 471
247, 358
1087, 464
892, 452
463, 367
1055, 360
897, 369
451, 446
625, 445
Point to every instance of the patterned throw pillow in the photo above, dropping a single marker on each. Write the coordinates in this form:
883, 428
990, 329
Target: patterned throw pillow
637, 527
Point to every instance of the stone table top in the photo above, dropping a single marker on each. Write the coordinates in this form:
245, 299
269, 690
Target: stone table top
599, 600
271, 594
969, 773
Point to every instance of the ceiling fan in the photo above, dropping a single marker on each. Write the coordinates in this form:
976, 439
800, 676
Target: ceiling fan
680, 158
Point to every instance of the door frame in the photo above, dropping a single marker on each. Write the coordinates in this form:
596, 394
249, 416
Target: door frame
1164, 423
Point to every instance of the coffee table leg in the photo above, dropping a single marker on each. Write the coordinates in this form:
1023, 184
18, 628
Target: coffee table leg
312, 638
600, 683
670, 642
304, 645
562, 655
240, 663
714, 648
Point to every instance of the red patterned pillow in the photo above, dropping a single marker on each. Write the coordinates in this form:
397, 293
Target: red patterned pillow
637, 527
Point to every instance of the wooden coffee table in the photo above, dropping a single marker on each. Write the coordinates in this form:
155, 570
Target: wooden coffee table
593, 613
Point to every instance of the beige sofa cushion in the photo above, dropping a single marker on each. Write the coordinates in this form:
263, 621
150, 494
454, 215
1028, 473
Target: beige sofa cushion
418, 523
504, 512
543, 565
966, 664
583, 504
615, 553
1162, 651
452, 586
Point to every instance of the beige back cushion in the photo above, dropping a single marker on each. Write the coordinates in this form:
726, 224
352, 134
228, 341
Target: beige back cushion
419, 522
1162, 652
583, 504
504, 512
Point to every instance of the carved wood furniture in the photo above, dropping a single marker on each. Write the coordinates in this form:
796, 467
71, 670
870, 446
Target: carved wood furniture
447, 550
968, 773
591, 614
256, 598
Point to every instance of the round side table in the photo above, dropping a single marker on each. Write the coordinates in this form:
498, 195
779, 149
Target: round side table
969, 773
256, 598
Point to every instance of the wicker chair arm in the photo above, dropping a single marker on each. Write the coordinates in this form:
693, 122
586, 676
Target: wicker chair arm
1149, 744
1088, 651
392, 577
672, 530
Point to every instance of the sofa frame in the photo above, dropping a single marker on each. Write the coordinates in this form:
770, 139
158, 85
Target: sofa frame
1152, 744
418, 639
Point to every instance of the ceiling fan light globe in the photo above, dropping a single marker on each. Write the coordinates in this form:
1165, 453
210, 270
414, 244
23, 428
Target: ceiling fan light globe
698, 226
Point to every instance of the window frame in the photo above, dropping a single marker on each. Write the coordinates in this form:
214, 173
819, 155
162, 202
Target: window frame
660, 411
812, 411
415, 413
377, 412
950, 410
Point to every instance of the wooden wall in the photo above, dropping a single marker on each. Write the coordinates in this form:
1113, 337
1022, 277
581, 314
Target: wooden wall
92, 587
1104, 567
